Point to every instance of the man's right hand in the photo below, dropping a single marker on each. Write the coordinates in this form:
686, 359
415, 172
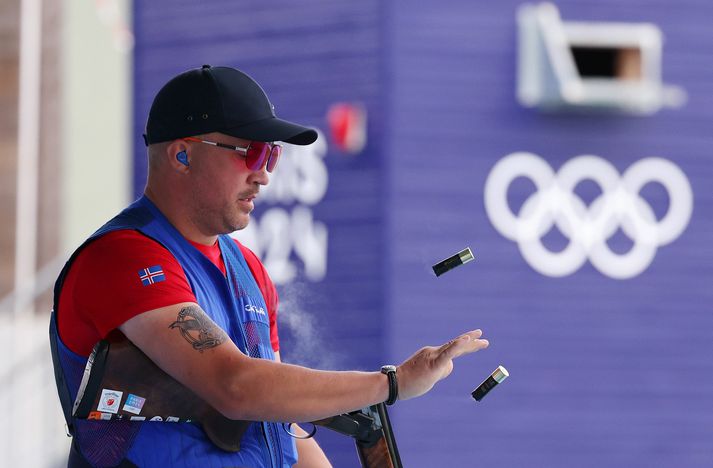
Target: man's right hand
419, 373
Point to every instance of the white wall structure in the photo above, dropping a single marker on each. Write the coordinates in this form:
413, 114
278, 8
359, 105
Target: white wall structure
97, 100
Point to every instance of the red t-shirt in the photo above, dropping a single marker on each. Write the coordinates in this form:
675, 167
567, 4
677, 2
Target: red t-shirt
104, 289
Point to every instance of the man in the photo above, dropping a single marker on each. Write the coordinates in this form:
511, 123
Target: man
202, 306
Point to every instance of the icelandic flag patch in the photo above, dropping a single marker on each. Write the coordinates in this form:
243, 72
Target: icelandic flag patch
152, 275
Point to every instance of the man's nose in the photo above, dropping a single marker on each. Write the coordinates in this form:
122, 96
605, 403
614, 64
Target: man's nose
261, 175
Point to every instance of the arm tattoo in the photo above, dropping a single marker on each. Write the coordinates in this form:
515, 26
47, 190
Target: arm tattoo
198, 329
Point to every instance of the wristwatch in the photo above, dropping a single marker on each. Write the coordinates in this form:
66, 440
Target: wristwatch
390, 372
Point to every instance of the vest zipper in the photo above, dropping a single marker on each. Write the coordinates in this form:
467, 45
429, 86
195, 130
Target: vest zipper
269, 446
275, 455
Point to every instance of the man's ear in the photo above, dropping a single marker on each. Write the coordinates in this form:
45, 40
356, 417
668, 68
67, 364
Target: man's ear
177, 154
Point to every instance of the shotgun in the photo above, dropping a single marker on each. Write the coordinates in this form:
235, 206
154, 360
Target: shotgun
121, 383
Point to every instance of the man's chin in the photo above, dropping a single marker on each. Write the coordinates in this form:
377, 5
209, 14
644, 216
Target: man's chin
240, 224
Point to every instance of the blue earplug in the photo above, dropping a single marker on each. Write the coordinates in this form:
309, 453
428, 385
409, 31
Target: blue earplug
182, 158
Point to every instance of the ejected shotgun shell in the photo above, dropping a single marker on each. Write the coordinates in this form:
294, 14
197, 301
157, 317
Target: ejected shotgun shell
464, 256
490, 383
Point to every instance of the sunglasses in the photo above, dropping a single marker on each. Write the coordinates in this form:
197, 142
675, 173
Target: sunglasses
257, 154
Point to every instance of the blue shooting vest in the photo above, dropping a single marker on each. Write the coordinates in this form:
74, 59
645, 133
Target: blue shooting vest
235, 304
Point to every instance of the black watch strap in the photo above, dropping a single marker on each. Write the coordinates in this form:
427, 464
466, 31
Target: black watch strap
390, 372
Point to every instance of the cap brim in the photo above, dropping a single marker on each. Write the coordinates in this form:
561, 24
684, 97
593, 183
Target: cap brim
274, 129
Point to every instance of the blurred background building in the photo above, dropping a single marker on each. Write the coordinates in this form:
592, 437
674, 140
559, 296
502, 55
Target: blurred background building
65, 167
567, 144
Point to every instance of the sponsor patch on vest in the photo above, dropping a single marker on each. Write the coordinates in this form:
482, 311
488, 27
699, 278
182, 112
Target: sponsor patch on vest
137, 418
109, 401
156, 418
134, 404
171, 419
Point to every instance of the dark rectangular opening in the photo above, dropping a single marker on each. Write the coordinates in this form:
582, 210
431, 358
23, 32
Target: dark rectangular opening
608, 62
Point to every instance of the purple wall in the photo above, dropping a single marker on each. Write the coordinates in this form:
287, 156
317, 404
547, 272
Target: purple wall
604, 372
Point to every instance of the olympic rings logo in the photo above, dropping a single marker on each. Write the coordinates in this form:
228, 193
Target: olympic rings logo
588, 227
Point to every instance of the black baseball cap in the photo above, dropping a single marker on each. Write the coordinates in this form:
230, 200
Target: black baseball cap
218, 99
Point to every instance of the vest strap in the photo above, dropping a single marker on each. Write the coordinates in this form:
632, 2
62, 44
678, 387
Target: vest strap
62, 389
